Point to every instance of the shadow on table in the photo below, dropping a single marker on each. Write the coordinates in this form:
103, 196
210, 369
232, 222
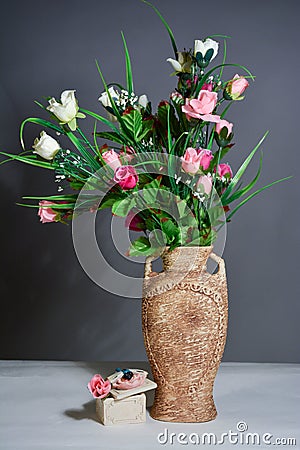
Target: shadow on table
87, 411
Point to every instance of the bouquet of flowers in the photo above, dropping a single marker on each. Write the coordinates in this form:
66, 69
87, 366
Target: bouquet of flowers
165, 170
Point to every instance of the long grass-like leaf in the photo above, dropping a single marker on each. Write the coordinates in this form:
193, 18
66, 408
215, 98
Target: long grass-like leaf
33, 161
241, 192
129, 78
253, 195
83, 151
242, 169
36, 120
54, 205
166, 26
224, 59
53, 197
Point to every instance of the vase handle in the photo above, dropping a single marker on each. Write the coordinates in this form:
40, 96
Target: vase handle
220, 263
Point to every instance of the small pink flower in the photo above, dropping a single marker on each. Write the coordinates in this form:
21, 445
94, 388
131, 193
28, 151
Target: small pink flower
136, 381
204, 184
222, 124
205, 158
224, 170
207, 87
98, 387
47, 215
202, 107
126, 177
112, 159
191, 161
134, 222
236, 87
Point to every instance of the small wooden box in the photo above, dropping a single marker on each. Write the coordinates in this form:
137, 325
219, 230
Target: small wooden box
129, 410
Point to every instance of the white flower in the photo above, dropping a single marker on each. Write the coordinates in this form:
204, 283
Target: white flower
46, 146
183, 64
204, 46
67, 110
175, 64
105, 100
143, 100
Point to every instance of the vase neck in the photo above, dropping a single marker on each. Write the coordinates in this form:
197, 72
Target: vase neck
186, 259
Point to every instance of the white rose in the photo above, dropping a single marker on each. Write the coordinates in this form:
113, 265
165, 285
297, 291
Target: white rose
46, 146
67, 110
143, 100
104, 98
203, 46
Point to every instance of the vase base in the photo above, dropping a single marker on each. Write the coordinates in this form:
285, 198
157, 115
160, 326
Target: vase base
182, 417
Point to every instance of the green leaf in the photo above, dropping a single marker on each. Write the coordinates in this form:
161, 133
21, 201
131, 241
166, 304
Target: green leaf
168, 121
133, 123
110, 199
147, 126
241, 192
140, 247
242, 169
111, 136
170, 230
122, 207
129, 79
253, 195
171, 35
151, 190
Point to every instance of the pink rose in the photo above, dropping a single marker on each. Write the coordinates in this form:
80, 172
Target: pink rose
47, 215
134, 222
98, 387
205, 158
135, 381
236, 87
202, 107
126, 177
112, 159
204, 184
224, 170
191, 161
222, 124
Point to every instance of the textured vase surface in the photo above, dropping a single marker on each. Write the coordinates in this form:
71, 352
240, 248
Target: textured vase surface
184, 317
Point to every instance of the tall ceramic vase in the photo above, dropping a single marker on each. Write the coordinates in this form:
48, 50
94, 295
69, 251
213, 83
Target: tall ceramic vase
184, 317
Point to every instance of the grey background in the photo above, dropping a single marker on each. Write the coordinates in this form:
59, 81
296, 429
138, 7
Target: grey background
49, 307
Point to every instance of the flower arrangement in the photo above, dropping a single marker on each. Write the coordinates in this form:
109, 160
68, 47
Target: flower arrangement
166, 170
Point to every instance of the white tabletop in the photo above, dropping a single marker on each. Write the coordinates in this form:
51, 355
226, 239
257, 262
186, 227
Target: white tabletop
45, 405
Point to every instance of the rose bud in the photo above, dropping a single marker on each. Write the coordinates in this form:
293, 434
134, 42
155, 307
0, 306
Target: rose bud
223, 133
235, 88
191, 161
224, 171
205, 158
67, 110
46, 146
112, 159
126, 177
46, 214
